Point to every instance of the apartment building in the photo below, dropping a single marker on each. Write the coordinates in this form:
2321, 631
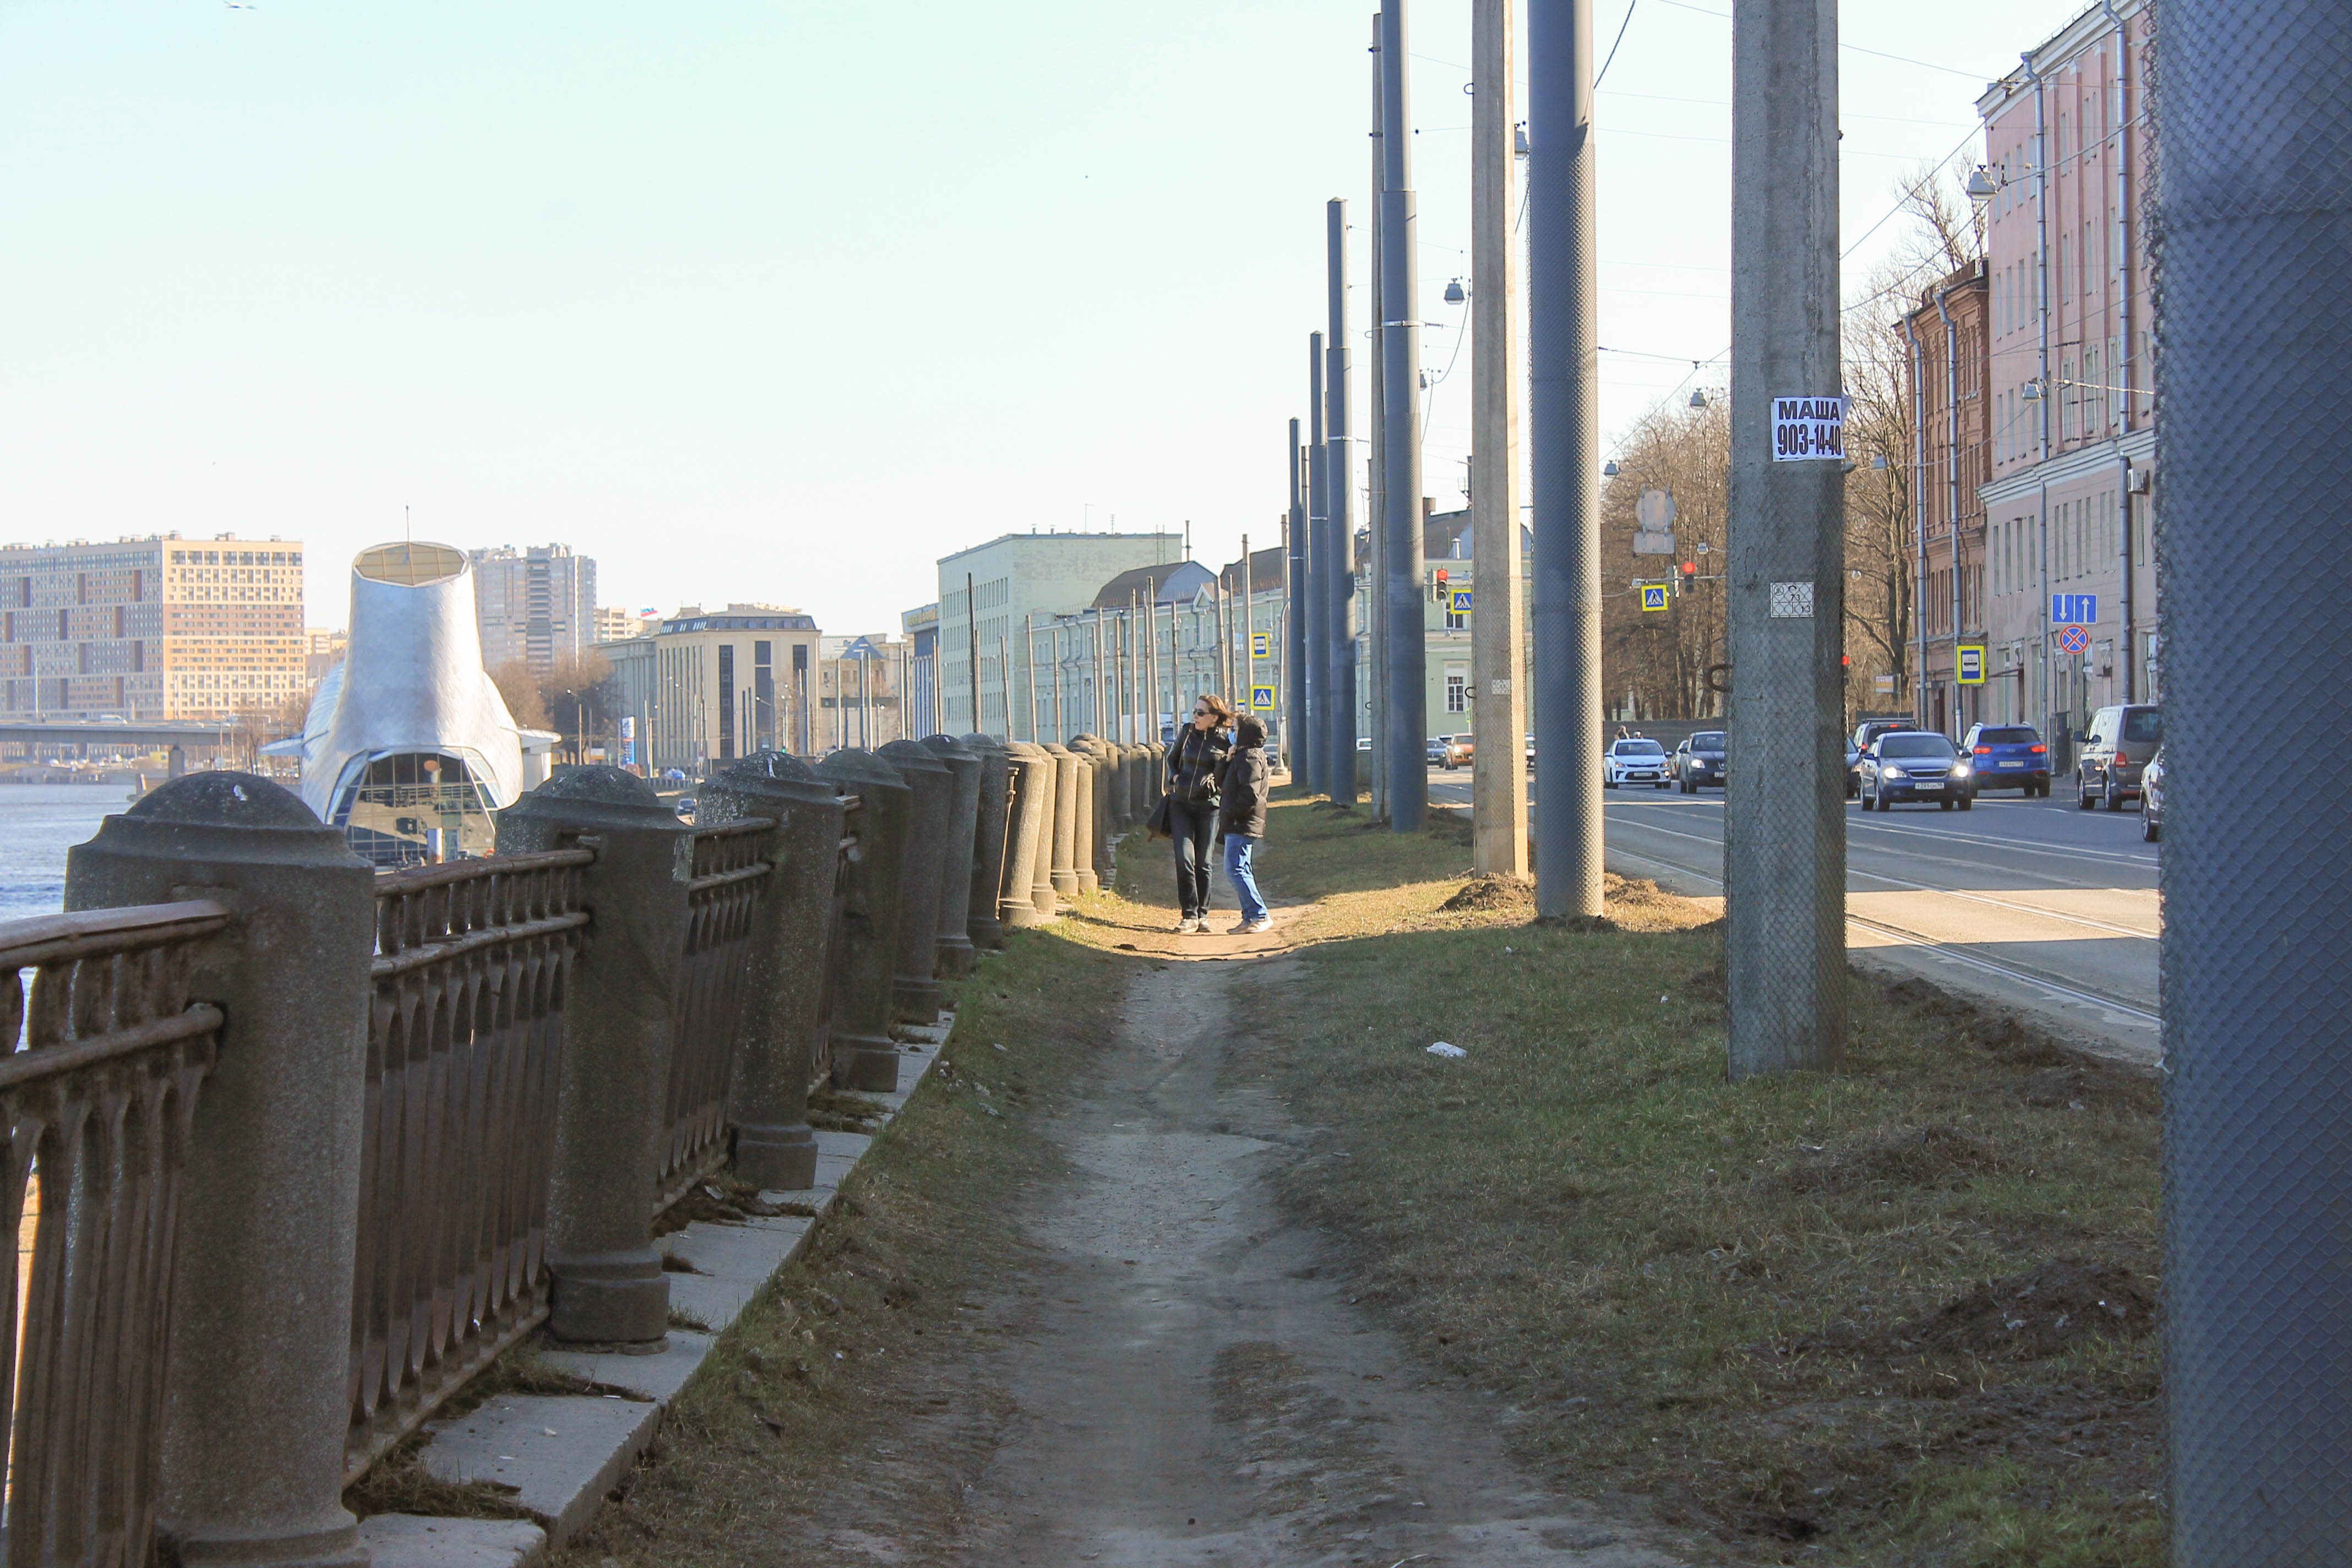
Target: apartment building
2069, 506
1951, 461
705, 688
990, 594
536, 605
152, 629
860, 681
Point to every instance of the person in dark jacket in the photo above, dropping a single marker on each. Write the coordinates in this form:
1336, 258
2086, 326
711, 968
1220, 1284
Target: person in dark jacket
1241, 812
1195, 763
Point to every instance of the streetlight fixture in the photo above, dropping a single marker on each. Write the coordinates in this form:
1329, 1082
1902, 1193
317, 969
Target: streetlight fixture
1697, 398
1455, 293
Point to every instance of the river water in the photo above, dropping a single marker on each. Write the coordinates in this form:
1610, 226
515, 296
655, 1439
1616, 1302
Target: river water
38, 823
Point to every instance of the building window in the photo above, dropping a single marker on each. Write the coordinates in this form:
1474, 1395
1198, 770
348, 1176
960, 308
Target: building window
1457, 693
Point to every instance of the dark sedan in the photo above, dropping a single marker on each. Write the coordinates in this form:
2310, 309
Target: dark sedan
1698, 761
1915, 765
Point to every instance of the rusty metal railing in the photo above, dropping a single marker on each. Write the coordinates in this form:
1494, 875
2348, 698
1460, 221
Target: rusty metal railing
853, 822
730, 873
98, 1090
464, 1038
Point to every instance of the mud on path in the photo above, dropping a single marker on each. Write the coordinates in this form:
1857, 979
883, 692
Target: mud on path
1193, 1384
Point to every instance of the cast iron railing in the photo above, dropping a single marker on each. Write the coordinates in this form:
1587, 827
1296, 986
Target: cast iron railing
730, 873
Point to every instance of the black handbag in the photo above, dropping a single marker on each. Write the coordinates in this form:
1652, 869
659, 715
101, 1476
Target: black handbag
1156, 824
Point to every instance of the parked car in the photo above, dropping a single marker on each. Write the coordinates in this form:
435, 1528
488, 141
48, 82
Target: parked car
1866, 731
1437, 750
1698, 761
1915, 765
1531, 753
1634, 761
2006, 756
2116, 751
2151, 799
1459, 750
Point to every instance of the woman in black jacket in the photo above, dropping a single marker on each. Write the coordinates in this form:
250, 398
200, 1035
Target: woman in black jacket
1195, 763
1249, 779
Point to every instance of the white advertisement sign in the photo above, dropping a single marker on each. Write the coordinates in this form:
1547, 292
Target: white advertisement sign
1808, 429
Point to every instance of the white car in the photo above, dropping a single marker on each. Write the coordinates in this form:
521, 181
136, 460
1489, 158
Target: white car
1634, 763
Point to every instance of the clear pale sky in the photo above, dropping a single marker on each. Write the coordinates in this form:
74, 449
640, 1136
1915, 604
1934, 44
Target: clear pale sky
781, 303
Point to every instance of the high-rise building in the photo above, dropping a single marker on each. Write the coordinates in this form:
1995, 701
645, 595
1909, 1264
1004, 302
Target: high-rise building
619, 626
153, 628
536, 605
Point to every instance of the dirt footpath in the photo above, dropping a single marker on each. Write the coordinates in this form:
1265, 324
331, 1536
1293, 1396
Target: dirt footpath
1192, 1384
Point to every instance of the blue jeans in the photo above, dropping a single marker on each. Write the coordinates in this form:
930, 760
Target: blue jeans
1238, 847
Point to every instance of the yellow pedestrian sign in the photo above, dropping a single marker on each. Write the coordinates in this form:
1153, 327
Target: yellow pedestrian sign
1461, 604
1654, 596
1971, 666
1260, 697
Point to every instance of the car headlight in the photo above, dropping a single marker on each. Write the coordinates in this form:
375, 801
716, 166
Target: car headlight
1892, 773
1959, 770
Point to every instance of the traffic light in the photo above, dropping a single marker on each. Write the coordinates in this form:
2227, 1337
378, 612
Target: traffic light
1437, 586
1689, 576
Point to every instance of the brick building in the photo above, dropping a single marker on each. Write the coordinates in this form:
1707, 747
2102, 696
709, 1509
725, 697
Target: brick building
2069, 507
153, 628
1951, 462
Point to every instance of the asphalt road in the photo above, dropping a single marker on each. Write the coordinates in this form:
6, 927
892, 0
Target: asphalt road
2033, 904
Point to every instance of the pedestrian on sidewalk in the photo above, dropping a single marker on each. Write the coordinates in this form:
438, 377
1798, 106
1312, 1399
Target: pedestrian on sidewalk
1194, 765
1241, 811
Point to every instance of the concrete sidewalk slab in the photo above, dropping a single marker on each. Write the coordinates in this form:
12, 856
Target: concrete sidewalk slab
557, 1454
409, 1541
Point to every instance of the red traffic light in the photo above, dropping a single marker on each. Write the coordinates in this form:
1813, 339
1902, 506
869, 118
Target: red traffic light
1690, 568
1441, 574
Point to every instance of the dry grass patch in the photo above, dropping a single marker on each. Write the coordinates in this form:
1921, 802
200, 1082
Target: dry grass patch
1896, 1313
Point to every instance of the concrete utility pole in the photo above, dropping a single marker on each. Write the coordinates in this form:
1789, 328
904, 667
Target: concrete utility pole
1406, 670
1564, 418
1498, 714
1298, 744
971, 644
1784, 812
1339, 495
2257, 1040
1249, 643
1374, 710
1320, 686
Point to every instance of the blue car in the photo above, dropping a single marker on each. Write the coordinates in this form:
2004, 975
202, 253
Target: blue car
1915, 765
2007, 756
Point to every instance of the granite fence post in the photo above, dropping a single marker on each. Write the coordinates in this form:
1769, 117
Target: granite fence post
915, 994
988, 844
611, 1088
956, 955
1082, 840
1032, 820
1063, 869
256, 1404
784, 997
1041, 865
867, 954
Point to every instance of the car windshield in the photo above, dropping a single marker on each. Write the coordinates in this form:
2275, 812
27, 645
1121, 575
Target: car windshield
2144, 725
1640, 749
1910, 746
2008, 735
1710, 741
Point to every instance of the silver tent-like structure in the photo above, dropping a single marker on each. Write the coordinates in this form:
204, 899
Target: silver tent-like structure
408, 747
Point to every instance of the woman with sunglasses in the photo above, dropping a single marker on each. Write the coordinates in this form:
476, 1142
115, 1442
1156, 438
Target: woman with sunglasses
1195, 764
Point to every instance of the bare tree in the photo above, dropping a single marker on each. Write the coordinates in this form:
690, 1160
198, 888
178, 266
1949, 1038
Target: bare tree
519, 687
1659, 659
580, 696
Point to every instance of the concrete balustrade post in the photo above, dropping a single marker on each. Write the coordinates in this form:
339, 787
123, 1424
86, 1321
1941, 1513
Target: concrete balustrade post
915, 994
255, 1398
866, 952
1032, 820
1082, 842
613, 1081
1062, 870
1041, 865
784, 997
956, 954
990, 829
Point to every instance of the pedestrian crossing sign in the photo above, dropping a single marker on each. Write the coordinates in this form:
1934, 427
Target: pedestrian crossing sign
1261, 696
1461, 604
1654, 596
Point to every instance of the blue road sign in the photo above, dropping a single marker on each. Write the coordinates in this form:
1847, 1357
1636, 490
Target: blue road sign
2073, 609
1461, 604
1260, 697
1654, 596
